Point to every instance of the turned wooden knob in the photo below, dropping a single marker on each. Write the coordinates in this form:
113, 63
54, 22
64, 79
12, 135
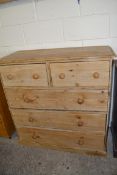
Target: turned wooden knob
31, 119
78, 116
81, 141
80, 123
96, 75
29, 98
62, 76
10, 76
35, 76
34, 136
80, 100
102, 101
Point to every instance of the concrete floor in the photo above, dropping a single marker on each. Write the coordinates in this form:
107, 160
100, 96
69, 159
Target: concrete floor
19, 160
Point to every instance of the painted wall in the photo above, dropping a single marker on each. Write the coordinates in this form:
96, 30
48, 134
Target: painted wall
33, 24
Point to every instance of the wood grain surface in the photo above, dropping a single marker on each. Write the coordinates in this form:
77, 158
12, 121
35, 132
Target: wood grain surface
67, 120
59, 99
61, 54
83, 74
62, 139
28, 75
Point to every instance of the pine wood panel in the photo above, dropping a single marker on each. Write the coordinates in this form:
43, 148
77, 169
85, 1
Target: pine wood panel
67, 120
68, 54
62, 139
84, 74
3, 132
2, 128
66, 99
7, 127
28, 75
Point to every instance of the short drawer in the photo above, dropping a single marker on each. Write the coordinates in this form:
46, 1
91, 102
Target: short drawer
24, 75
61, 99
61, 139
80, 74
67, 120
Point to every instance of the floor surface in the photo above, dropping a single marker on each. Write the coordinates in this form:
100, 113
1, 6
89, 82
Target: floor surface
19, 160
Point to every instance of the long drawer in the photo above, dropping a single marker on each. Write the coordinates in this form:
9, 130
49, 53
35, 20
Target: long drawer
61, 99
68, 120
83, 74
60, 139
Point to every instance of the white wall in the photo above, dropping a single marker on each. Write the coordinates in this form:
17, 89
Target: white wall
34, 24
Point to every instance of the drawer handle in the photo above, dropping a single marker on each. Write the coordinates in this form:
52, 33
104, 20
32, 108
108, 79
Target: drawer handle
80, 123
31, 119
10, 76
29, 98
62, 76
34, 136
80, 100
96, 75
35, 76
81, 141
102, 101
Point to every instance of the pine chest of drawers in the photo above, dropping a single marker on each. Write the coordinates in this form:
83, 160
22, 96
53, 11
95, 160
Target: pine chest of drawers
59, 98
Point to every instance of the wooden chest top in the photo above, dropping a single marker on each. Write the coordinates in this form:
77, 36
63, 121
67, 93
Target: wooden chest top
61, 54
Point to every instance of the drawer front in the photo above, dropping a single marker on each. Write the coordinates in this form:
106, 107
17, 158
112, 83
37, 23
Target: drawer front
62, 139
92, 100
68, 120
80, 74
24, 75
